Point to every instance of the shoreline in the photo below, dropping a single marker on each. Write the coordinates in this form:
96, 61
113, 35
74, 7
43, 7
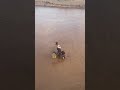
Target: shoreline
49, 4
67, 7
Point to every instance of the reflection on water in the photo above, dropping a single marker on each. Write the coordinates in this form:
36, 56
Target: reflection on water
67, 26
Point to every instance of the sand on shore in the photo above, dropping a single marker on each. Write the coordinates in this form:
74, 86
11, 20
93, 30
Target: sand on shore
67, 26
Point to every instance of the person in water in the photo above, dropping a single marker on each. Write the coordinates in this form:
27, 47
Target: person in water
58, 48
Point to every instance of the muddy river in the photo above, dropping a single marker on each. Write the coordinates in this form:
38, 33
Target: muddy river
67, 26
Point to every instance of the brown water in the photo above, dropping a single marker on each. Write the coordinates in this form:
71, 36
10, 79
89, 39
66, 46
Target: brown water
67, 26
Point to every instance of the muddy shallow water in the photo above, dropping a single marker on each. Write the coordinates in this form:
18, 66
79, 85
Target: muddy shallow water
67, 26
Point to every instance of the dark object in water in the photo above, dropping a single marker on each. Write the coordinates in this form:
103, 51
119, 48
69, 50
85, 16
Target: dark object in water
58, 54
63, 54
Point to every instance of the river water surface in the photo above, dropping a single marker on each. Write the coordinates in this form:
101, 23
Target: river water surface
67, 26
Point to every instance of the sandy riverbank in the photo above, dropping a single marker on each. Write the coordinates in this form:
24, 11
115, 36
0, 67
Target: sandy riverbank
56, 3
